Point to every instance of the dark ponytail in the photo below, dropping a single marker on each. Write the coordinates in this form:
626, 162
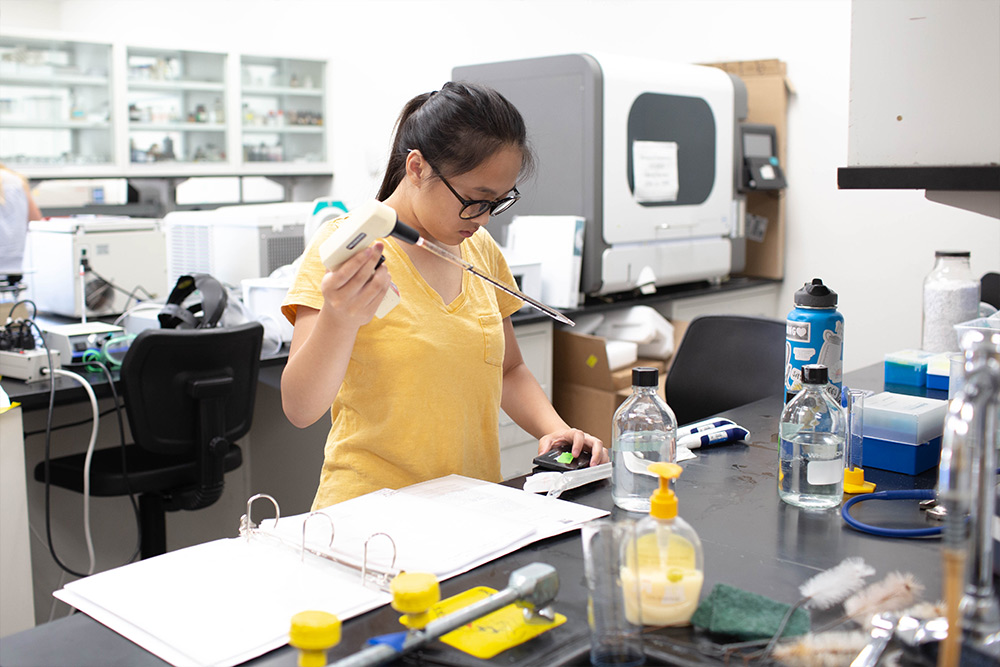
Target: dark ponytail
456, 129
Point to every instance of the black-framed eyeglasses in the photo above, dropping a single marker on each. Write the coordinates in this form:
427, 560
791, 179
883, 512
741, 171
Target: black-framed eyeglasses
473, 208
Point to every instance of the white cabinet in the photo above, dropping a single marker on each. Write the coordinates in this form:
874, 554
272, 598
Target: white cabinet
176, 106
71, 108
518, 447
282, 110
55, 103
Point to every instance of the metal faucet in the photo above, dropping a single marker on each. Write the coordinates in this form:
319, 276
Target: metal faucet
967, 486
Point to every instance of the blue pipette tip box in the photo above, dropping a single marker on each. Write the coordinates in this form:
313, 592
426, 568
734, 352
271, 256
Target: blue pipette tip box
907, 367
900, 456
901, 418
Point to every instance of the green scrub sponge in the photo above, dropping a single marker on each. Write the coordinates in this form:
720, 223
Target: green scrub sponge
734, 611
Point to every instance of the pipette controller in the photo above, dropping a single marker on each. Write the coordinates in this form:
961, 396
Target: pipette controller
375, 220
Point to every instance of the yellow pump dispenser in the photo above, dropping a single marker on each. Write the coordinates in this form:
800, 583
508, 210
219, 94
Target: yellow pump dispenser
668, 558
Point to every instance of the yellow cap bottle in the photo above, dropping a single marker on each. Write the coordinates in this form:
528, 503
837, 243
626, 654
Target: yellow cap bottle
666, 558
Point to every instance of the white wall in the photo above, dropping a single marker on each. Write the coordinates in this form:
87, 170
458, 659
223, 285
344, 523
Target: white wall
872, 247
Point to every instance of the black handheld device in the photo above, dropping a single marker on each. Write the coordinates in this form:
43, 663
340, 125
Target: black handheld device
562, 460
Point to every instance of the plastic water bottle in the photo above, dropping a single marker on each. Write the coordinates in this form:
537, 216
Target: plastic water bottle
644, 431
811, 456
814, 334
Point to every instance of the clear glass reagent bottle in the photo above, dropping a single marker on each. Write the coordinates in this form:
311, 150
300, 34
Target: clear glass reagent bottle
643, 431
811, 455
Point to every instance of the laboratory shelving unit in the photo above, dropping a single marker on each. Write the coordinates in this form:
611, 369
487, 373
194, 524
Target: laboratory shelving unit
56, 104
73, 108
282, 109
176, 106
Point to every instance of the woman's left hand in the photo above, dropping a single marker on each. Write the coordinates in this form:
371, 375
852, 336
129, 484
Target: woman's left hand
578, 441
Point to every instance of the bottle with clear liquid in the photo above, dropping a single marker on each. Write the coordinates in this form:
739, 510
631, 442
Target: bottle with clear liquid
644, 431
813, 429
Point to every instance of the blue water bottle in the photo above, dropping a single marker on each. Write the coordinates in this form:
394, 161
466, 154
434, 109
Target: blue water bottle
814, 334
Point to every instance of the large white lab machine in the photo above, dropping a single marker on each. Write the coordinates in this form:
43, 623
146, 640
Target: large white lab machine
233, 243
643, 150
125, 262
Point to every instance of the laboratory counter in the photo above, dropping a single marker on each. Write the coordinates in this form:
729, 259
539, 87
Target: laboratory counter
36, 395
751, 540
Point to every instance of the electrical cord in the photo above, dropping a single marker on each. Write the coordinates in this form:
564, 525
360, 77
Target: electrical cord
34, 308
48, 455
81, 422
86, 461
128, 294
128, 485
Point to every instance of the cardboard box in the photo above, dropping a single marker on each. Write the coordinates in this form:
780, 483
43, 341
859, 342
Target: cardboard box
768, 90
586, 392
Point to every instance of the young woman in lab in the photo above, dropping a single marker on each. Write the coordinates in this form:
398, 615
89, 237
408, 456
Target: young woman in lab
417, 394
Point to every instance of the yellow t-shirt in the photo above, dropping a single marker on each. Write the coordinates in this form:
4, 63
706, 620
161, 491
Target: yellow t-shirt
421, 397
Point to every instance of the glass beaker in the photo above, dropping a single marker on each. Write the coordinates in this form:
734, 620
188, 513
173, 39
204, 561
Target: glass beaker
614, 640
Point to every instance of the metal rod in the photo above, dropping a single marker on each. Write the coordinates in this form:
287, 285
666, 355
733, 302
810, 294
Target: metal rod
458, 261
533, 586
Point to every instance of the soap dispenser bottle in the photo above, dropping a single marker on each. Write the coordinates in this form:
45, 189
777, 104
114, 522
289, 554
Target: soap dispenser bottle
669, 563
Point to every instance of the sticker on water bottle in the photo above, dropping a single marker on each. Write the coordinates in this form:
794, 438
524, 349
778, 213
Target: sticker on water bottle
824, 472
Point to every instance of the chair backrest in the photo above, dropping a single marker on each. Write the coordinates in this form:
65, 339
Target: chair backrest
168, 374
990, 289
725, 361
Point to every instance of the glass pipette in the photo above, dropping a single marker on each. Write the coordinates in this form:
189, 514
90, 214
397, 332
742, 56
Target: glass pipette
406, 233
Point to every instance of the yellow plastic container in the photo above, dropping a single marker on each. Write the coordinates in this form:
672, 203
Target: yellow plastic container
669, 560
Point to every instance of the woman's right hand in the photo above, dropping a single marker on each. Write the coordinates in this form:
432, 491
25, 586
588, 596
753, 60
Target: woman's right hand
353, 291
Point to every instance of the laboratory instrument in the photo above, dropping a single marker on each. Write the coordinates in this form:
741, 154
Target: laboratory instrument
122, 258
951, 296
28, 365
232, 243
854, 474
643, 431
814, 334
532, 587
612, 600
967, 489
72, 341
642, 149
375, 220
668, 563
812, 430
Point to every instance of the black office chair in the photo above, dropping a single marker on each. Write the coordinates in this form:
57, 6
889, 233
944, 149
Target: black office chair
725, 361
989, 289
189, 395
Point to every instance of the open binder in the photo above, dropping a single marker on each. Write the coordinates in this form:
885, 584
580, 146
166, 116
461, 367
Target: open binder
228, 601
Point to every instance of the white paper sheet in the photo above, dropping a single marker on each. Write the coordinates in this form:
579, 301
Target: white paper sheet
225, 602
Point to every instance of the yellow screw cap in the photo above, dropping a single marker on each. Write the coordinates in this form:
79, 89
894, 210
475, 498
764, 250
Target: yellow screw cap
313, 632
663, 502
414, 592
